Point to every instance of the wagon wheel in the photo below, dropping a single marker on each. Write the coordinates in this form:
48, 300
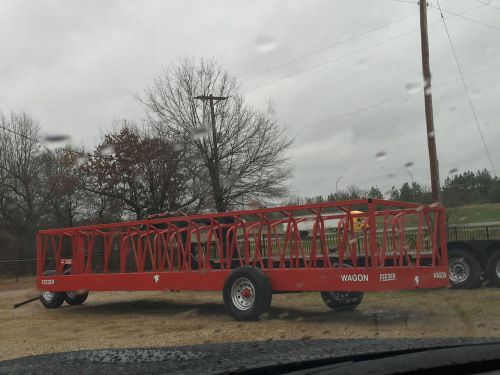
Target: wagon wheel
247, 293
342, 301
51, 300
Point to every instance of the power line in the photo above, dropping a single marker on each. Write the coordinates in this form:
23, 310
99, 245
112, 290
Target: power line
345, 114
39, 141
325, 48
467, 91
351, 53
486, 4
460, 15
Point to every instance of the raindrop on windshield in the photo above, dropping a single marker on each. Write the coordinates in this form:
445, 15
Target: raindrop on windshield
427, 87
409, 164
453, 109
413, 87
362, 64
200, 133
107, 150
381, 155
265, 44
391, 175
177, 147
229, 180
453, 170
431, 134
82, 159
57, 138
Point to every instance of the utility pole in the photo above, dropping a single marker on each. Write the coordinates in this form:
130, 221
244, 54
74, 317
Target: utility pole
337, 184
215, 170
411, 176
412, 188
429, 120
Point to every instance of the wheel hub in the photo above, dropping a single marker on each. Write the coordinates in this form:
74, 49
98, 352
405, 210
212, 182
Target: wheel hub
459, 270
243, 294
48, 296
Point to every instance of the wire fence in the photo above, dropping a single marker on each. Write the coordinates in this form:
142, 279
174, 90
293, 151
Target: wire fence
10, 268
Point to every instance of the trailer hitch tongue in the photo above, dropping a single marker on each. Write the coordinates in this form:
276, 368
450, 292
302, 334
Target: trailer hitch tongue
15, 306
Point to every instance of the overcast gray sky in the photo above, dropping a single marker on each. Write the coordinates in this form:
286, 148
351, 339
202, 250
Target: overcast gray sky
346, 83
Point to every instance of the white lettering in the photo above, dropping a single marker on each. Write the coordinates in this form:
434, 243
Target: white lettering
48, 282
440, 275
387, 276
359, 277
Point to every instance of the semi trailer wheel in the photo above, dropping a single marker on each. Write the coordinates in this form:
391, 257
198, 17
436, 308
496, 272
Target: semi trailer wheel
342, 301
75, 298
464, 269
51, 300
247, 293
493, 268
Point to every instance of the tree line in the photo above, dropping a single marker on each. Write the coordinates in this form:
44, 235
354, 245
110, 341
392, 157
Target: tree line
180, 158
457, 190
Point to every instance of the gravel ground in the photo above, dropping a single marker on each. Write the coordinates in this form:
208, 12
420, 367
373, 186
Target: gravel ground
154, 319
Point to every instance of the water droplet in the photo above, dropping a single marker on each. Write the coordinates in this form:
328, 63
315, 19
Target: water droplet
381, 155
427, 87
200, 133
352, 241
10, 206
391, 175
255, 204
453, 170
453, 109
229, 180
431, 134
413, 87
435, 204
139, 178
463, 218
265, 44
57, 138
362, 64
82, 159
475, 93
409, 164
300, 285
107, 150
177, 147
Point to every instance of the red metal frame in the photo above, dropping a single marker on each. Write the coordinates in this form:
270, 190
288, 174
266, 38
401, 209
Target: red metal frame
198, 252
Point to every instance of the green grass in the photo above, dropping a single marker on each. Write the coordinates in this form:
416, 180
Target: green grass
474, 214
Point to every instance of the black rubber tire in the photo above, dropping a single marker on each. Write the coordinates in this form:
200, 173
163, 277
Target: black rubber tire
342, 301
51, 300
75, 298
462, 261
262, 296
491, 268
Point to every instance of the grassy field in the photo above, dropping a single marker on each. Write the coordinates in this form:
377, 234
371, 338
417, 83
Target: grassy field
474, 214
155, 319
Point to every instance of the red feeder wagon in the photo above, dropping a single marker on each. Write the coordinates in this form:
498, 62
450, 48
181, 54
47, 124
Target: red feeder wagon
251, 254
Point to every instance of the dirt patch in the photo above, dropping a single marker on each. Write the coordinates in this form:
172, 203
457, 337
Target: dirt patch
151, 319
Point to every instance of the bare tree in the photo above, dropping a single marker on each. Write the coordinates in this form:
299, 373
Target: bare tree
244, 156
144, 173
20, 166
66, 200
21, 201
